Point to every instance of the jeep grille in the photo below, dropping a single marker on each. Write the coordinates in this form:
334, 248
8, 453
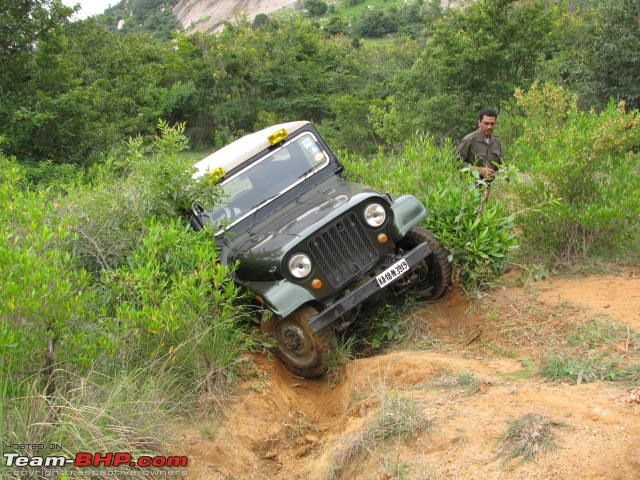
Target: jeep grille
343, 250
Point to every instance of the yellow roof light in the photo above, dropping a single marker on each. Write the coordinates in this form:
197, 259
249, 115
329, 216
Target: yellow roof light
216, 175
234, 154
278, 136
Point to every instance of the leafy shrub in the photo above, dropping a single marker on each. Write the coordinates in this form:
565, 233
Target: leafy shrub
143, 180
316, 8
376, 23
109, 294
161, 293
174, 300
587, 163
479, 237
41, 299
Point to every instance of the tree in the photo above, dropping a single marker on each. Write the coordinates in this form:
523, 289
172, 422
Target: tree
613, 60
25, 24
474, 59
153, 17
289, 71
376, 23
316, 8
261, 20
86, 90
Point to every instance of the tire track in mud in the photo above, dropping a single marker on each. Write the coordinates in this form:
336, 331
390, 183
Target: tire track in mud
283, 427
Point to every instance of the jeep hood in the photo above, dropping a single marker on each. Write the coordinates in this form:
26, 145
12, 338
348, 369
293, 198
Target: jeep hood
261, 249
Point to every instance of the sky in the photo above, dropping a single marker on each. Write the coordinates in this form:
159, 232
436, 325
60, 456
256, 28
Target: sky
90, 7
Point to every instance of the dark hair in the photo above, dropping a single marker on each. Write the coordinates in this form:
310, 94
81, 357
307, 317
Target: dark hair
488, 112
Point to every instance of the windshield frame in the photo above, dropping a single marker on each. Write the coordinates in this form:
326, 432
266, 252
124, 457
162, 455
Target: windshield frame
316, 148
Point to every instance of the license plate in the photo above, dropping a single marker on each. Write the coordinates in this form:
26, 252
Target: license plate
394, 271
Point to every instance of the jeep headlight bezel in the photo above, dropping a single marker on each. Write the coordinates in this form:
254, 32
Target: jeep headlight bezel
375, 215
300, 265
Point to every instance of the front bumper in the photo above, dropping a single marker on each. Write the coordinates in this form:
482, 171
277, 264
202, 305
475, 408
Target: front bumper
364, 291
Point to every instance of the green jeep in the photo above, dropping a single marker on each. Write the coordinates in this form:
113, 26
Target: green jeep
310, 244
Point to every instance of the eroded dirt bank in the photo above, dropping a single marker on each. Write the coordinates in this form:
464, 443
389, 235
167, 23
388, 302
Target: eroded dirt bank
440, 407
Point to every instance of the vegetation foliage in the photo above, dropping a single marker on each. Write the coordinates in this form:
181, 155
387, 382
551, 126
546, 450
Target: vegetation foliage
104, 286
582, 170
479, 236
528, 436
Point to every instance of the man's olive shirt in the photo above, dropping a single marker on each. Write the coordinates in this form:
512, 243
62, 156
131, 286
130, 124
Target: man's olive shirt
475, 150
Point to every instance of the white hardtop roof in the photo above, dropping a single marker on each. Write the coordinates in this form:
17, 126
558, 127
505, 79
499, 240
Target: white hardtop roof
233, 154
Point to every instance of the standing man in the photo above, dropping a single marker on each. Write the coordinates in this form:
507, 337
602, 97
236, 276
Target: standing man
482, 149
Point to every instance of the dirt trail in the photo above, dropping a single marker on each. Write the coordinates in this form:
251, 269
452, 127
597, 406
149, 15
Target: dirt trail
465, 377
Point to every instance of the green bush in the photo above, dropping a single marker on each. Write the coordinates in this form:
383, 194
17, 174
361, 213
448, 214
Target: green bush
173, 300
479, 237
581, 177
111, 307
144, 180
41, 300
316, 8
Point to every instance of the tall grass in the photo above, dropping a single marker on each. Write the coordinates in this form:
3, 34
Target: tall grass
116, 317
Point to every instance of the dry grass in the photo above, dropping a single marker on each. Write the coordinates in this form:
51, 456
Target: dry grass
465, 383
398, 416
528, 436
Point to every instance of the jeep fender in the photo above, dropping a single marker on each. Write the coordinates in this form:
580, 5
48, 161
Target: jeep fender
282, 297
408, 212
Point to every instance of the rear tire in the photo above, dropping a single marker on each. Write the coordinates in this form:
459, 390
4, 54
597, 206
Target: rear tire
303, 351
433, 274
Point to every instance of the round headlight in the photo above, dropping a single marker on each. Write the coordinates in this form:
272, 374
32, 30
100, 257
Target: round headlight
300, 265
375, 214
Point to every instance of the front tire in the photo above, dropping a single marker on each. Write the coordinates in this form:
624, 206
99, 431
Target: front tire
299, 348
432, 275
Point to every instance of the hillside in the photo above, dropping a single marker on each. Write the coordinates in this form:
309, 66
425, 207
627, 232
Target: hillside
208, 15
446, 406
161, 17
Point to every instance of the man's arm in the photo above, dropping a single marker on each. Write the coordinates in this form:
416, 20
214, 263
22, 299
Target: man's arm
463, 151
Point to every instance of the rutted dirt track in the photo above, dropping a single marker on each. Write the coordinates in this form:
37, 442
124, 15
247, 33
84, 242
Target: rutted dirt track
283, 427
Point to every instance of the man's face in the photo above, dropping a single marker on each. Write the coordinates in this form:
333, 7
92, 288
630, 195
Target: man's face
487, 124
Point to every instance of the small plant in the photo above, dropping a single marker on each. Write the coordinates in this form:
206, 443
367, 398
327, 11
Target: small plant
596, 333
528, 436
297, 424
385, 324
529, 369
397, 417
341, 352
396, 469
464, 381
629, 374
580, 370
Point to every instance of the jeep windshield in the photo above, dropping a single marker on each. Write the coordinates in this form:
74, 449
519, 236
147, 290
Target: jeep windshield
266, 179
